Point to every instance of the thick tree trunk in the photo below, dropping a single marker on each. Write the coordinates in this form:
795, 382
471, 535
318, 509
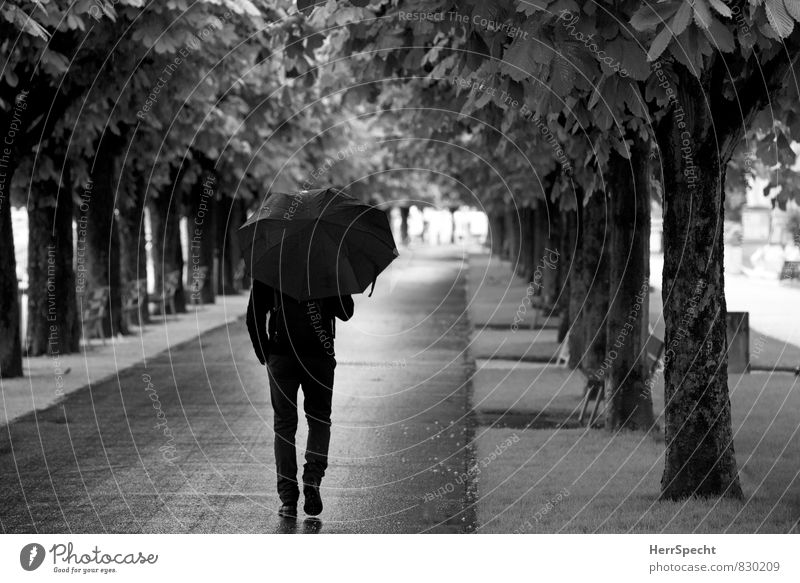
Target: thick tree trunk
133, 251
578, 288
53, 319
629, 402
203, 239
595, 272
102, 233
10, 347
167, 251
700, 458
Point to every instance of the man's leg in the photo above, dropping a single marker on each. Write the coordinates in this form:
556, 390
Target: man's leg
284, 380
318, 394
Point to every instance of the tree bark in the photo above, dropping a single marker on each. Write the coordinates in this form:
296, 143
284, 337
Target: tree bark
10, 343
629, 403
527, 259
404, 211
53, 319
595, 274
700, 458
565, 265
513, 235
496, 233
229, 210
578, 289
102, 232
133, 251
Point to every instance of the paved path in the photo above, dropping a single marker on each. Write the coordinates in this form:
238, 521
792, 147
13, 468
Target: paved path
398, 456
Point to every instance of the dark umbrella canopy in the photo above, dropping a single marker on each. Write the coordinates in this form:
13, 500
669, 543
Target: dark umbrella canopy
317, 243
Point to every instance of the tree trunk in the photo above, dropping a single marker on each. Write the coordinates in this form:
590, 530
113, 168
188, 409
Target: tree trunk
203, 239
404, 211
230, 220
595, 272
578, 288
527, 260
496, 233
513, 240
167, 253
133, 251
102, 234
700, 458
10, 347
53, 319
565, 266
629, 403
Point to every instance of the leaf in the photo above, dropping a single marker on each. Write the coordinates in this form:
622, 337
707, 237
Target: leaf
524, 58
779, 19
651, 15
530, 7
793, 8
659, 44
721, 36
721, 7
682, 18
702, 14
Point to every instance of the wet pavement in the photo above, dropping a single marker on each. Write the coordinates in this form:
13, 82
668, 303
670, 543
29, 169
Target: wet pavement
183, 443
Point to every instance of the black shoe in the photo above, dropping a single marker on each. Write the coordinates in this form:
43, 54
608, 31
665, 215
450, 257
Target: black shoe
313, 504
288, 511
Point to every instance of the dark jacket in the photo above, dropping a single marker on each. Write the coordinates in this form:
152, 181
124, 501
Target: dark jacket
301, 328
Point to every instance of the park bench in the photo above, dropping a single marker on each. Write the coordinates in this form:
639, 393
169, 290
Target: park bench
133, 301
198, 278
653, 349
95, 312
166, 300
790, 272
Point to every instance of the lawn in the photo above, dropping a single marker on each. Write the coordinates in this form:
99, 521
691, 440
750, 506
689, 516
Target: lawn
578, 481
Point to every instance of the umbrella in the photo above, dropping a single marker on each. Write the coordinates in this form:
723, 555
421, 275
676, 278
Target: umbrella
317, 243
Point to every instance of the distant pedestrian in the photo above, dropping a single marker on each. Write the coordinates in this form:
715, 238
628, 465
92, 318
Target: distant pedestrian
297, 346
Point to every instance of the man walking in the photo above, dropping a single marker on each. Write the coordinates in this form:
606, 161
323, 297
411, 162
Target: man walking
298, 351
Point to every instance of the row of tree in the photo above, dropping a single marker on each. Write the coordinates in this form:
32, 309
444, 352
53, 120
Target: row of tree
188, 109
573, 116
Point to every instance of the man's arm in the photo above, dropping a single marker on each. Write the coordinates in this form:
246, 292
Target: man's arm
261, 300
342, 307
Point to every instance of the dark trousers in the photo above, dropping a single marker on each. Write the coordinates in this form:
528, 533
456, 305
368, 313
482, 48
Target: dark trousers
286, 374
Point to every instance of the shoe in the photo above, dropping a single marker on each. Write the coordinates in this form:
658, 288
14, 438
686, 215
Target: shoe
288, 511
313, 504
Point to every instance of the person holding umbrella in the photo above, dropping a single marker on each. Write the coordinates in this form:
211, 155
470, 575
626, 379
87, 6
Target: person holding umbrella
307, 253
